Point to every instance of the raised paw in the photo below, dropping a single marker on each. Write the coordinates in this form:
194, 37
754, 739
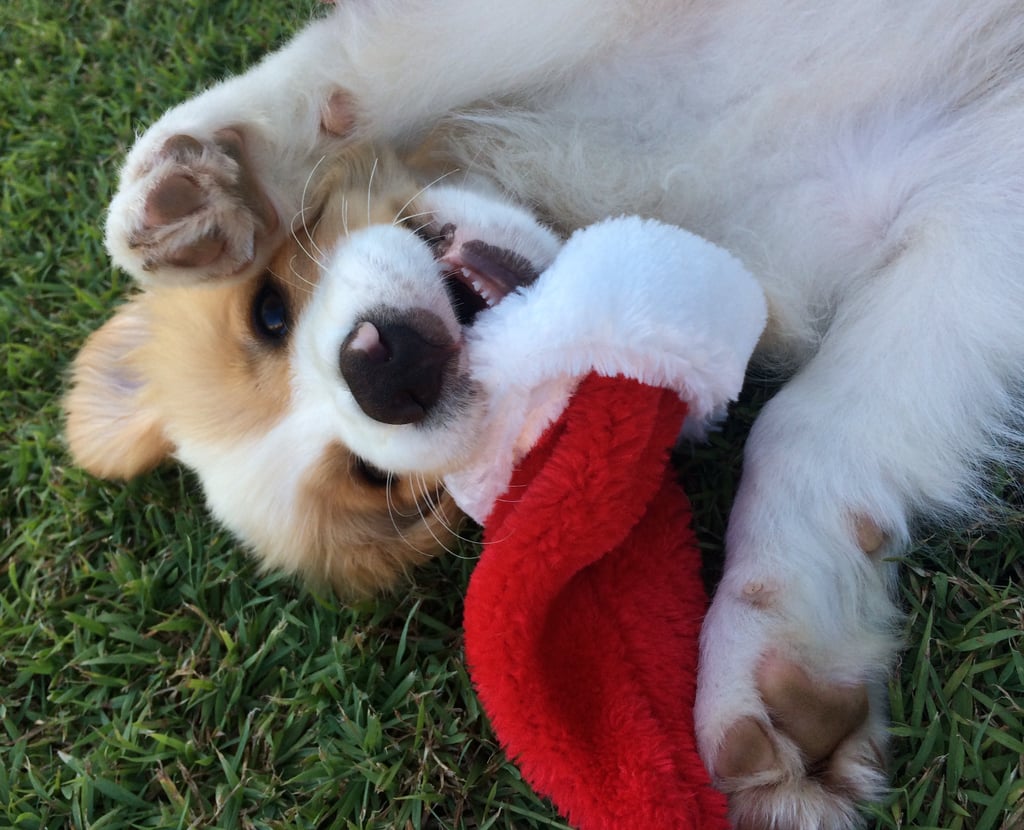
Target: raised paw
808, 759
192, 209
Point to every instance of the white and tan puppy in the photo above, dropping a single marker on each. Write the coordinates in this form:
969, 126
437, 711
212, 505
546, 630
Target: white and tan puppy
864, 160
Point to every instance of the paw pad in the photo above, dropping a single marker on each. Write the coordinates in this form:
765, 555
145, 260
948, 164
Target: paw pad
747, 751
816, 716
196, 210
759, 594
337, 115
870, 537
174, 198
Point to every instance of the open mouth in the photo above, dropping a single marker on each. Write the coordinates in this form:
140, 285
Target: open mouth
477, 274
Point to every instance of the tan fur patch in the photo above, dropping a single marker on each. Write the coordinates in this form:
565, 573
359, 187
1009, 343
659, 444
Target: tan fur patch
206, 370
360, 536
110, 432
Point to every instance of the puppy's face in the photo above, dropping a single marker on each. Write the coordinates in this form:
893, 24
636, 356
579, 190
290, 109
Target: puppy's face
321, 401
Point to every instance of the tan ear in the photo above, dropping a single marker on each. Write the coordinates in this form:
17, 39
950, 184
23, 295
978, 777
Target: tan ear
111, 430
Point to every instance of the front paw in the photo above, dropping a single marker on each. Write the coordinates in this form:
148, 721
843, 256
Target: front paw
794, 733
191, 209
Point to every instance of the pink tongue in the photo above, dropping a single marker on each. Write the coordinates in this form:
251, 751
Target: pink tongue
490, 272
503, 270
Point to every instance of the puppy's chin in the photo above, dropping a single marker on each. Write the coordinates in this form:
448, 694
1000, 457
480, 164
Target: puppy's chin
329, 517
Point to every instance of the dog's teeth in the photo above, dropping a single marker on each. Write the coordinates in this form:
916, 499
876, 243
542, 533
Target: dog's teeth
484, 293
481, 290
480, 285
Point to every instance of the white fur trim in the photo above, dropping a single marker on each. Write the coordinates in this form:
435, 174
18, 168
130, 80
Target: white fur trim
626, 296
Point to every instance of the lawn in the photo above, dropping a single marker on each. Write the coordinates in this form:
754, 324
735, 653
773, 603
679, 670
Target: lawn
151, 677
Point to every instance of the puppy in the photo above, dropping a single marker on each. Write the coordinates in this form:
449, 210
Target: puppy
865, 160
320, 399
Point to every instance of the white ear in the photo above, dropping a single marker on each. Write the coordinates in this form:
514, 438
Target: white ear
111, 431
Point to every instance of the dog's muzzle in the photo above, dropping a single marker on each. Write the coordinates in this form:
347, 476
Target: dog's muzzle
397, 364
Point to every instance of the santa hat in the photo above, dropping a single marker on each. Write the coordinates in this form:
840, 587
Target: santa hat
583, 614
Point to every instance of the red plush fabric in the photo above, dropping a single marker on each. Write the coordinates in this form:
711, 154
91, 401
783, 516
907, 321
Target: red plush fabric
583, 614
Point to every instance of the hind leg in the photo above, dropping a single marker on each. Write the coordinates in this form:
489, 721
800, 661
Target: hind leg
892, 418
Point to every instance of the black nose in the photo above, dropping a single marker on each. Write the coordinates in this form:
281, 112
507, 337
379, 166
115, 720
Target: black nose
396, 369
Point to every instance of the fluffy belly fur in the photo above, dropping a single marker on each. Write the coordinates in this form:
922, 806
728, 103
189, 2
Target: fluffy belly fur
814, 142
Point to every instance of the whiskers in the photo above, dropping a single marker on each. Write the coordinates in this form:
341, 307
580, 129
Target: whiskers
428, 512
421, 513
314, 251
306, 220
401, 217
369, 192
305, 238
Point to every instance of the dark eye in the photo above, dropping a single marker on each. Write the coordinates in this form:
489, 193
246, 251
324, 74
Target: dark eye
269, 313
374, 476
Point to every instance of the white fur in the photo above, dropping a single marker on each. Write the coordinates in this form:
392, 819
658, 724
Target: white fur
375, 267
388, 267
624, 297
865, 160
272, 465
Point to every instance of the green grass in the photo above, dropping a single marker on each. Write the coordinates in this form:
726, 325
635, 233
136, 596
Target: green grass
151, 677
